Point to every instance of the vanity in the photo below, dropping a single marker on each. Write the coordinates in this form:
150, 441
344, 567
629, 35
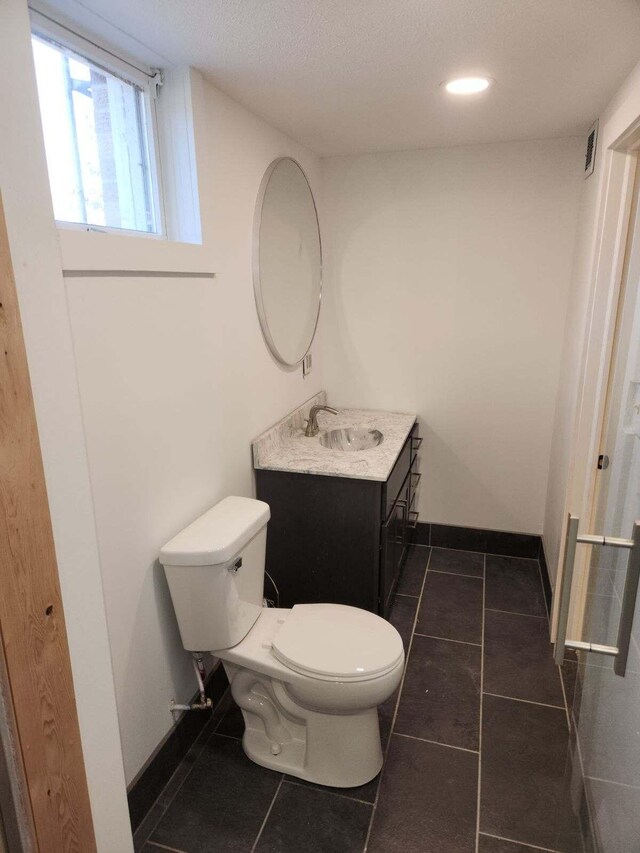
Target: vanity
341, 519
342, 500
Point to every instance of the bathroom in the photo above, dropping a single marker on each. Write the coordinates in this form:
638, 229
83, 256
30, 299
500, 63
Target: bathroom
475, 276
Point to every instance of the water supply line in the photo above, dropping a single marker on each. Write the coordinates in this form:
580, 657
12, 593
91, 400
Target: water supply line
203, 703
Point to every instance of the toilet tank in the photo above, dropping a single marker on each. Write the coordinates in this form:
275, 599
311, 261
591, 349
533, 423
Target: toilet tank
215, 572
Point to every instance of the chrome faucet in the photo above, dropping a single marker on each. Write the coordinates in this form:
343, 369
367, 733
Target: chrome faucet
312, 423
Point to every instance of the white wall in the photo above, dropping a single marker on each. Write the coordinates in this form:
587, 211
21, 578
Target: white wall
446, 280
175, 381
36, 262
566, 481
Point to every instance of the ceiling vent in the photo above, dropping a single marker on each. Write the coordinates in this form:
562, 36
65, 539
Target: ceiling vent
590, 153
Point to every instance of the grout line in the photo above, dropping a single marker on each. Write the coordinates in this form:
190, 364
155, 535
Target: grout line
585, 792
478, 800
164, 847
564, 694
221, 734
459, 550
525, 701
332, 793
544, 595
435, 742
611, 782
515, 613
447, 639
486, 553
266, 817
521, 843
395, 710
455, 574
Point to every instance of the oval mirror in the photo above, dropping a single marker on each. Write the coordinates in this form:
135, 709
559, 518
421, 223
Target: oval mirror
287, 261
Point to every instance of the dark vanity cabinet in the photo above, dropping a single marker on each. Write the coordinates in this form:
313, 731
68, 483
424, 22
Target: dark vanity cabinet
339, 539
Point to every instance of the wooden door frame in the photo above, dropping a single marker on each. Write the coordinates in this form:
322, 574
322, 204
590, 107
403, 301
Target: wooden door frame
33, 637
620, 163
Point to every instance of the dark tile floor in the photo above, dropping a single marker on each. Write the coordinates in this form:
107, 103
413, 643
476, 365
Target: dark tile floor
476, 739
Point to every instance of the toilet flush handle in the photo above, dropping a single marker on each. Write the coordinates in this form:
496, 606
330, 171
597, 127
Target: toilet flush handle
235, 566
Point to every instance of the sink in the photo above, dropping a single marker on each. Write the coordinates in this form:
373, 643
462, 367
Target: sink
351, 439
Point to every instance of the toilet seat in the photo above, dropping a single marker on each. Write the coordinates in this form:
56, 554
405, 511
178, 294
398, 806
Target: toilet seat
335, 641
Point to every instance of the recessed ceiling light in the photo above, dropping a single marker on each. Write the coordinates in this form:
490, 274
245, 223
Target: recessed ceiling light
467, 85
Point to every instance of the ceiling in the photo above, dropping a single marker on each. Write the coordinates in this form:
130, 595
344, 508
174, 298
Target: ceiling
351, 76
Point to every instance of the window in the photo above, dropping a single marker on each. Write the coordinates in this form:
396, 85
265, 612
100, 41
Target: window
99, 134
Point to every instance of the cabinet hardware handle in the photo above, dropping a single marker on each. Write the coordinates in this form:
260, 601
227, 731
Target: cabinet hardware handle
416, 442
413, 522
620, 652
418, 478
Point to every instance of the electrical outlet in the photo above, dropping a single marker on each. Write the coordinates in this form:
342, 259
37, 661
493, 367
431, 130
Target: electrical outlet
307, 363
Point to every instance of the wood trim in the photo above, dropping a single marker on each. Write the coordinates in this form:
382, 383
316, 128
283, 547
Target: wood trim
32, 625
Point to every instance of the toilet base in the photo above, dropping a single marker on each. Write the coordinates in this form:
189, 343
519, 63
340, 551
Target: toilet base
341, 751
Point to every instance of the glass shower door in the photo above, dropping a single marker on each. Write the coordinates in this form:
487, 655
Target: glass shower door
606, 706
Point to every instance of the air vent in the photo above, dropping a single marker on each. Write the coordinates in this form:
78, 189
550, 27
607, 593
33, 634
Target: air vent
590, 154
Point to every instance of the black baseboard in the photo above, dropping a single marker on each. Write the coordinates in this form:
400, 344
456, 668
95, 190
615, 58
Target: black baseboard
476, 539
149, 784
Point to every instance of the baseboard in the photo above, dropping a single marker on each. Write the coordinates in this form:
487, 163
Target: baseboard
150, 782
476, 539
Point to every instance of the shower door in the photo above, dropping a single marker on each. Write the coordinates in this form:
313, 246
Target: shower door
606, 705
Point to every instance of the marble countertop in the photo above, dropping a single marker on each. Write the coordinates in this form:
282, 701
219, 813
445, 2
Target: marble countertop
284, 447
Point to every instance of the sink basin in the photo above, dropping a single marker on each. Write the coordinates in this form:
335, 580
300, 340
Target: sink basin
351, 439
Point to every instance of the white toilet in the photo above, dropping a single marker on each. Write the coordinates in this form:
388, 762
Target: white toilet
309, 679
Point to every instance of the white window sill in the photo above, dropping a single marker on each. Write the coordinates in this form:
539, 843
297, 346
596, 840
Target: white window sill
94, 252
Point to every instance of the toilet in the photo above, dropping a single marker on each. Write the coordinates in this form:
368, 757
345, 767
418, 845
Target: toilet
308, 679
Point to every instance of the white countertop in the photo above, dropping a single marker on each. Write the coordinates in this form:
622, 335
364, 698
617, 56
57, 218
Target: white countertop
284, 447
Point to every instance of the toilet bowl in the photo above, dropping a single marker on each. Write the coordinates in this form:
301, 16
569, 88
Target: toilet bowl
308, 679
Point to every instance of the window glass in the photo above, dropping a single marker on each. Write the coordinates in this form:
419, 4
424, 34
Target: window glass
97, 141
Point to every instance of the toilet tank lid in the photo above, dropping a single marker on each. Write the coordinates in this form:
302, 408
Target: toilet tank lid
218, 535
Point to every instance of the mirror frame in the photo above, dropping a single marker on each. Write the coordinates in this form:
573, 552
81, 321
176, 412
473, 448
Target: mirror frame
257, 289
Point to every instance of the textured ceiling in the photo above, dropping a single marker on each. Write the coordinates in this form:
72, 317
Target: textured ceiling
347, 76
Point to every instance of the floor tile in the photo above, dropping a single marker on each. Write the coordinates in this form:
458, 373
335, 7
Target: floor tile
513, 584
305, 819
457, 562
440, 698
488, 541
518, 659
402, 617
569, 678
451, 607
526, 775
427, 801
366, 793
488, 844
386, 713
162, 767
204, 816
415, 566
146, 827
232, 724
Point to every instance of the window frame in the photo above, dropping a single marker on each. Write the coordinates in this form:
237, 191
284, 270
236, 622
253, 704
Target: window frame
148, 79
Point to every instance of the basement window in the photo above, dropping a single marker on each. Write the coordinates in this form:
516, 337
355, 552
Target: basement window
99, 124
